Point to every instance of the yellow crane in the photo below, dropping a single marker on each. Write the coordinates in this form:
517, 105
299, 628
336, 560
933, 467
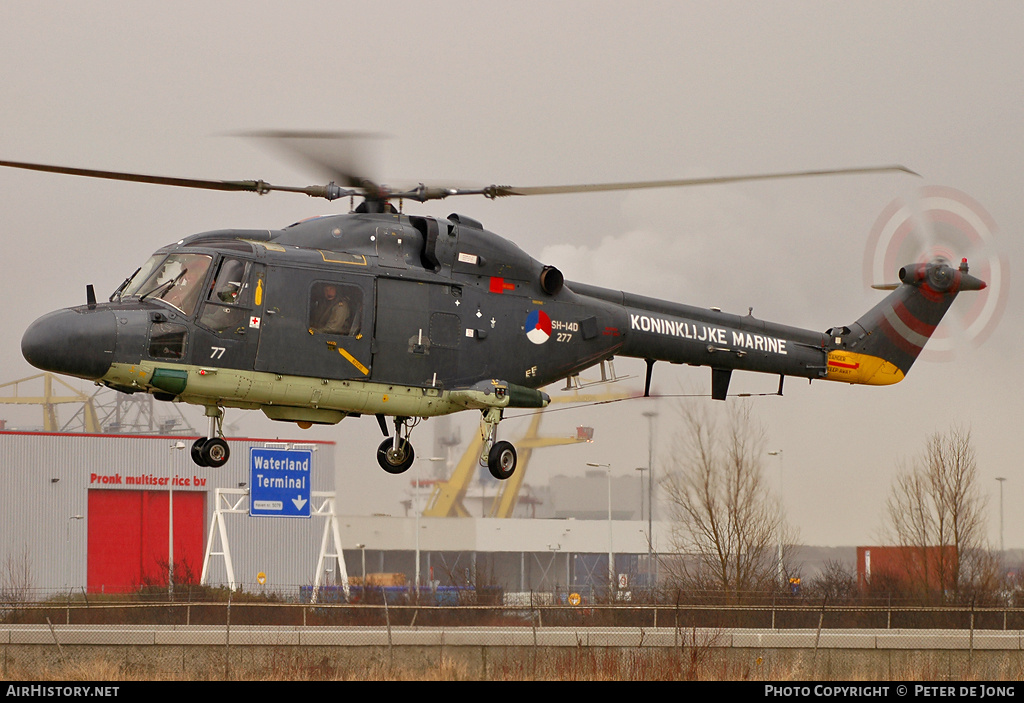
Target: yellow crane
446, 497
105, 411
50, 401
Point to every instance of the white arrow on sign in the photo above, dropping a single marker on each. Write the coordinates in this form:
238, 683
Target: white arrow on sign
298, 502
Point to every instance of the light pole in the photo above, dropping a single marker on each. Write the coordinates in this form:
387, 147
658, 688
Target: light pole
67, 538
778, 453
1001, 479
362, 548
170, 524
416, 514
553, 548
641, 469
417, 509
650, 415
67, 535
611, 553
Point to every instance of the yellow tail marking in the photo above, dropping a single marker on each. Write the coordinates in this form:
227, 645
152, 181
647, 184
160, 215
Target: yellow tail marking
851, 367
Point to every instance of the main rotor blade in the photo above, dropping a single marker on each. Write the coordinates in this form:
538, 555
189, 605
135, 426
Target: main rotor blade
344, 157
505, 191
261, 187
364, 187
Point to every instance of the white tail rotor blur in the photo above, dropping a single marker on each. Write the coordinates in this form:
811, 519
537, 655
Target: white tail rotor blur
939, 223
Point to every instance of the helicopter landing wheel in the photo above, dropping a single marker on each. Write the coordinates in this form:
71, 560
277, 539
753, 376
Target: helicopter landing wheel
197, 452
215, 452
501, 460
212, 453
395, 458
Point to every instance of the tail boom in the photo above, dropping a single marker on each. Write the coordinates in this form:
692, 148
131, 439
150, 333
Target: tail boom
878, 349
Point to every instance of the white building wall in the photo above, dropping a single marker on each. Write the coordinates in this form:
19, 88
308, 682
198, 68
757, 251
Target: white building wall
46, 479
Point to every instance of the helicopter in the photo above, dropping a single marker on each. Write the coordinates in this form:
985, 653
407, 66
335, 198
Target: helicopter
402, 316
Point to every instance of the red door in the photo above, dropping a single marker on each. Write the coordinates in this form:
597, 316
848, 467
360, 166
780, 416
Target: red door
128, 539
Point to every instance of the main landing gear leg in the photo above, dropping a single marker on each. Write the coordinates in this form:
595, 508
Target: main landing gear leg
212, 451
395, 454
498, 456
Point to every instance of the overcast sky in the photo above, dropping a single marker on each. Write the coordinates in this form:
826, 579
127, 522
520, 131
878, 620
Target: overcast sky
537, 93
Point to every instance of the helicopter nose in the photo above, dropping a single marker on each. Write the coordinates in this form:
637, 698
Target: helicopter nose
72, 342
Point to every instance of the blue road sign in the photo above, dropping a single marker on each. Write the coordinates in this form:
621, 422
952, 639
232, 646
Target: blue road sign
279, 482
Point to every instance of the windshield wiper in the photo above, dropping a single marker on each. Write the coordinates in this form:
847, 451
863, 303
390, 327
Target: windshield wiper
168, 285
120, 288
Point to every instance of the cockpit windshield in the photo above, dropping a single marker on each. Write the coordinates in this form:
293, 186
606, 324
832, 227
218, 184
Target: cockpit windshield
176, 279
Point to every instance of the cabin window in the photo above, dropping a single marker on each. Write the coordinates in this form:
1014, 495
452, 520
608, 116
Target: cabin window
167, 341
335, 308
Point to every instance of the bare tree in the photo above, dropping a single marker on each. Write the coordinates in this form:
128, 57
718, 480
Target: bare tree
936, 513
837, 582
726, 525
15, 581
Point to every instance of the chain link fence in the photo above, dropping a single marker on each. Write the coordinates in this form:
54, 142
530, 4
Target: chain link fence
389, 633
485, 607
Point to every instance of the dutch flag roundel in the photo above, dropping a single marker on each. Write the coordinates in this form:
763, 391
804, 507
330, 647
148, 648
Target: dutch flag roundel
538, 326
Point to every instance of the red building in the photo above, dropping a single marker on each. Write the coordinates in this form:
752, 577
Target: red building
927, 568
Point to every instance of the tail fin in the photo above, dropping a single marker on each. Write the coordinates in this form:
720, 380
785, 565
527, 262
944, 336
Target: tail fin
880, 347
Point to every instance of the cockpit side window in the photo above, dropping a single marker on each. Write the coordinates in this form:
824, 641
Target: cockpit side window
228, 305
335, 308
231, 287
167, 341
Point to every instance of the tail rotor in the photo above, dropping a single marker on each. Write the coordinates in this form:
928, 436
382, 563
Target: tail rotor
941, 225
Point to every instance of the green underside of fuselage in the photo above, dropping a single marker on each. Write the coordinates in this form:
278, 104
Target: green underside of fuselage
298, 398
